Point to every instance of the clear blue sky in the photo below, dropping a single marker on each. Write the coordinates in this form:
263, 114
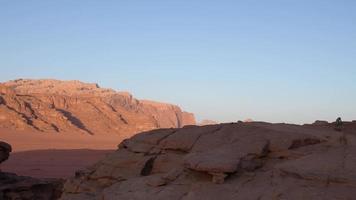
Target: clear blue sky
276, 60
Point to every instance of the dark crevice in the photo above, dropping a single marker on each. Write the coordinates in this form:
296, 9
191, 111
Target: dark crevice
29, 107
123, 119
55, 127
147, 169
201, 135
74, 120
103, 113
179, 123
304, 142
161, 139
27, 119
33, 114
156, 122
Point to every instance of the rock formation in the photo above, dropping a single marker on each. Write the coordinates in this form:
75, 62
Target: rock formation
72, 106
227, 161
5, 150
207, 122
13, 187
321, 122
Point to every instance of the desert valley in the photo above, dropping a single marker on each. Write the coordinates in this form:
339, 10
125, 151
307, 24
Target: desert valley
177, 100
68, 115
74, 140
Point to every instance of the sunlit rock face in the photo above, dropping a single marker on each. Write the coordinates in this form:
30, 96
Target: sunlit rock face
72, 106
226, 161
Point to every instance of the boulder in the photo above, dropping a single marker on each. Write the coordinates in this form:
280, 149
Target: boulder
5, 150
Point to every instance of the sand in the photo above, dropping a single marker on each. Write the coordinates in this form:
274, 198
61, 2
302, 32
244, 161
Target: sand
31, 140
52, 163
53, 155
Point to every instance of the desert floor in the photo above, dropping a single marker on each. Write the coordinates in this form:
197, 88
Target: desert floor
52, 163
54, 155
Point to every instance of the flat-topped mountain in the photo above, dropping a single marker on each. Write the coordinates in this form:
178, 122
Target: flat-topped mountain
72, 106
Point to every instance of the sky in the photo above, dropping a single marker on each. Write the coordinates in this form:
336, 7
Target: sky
288, 61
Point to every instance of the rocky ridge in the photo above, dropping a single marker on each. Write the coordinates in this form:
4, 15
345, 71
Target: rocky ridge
73, 106
227, 161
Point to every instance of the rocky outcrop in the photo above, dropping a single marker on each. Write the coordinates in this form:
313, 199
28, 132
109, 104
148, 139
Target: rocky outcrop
226, 161
321, 122
13, 187
73, 106
5, 150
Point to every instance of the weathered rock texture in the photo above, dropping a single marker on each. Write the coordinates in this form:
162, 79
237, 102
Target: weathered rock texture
246, 161
13, 187
56, 106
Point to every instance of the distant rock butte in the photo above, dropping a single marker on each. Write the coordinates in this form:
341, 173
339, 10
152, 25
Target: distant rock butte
227, 161
248, 120
207, 122
67, 106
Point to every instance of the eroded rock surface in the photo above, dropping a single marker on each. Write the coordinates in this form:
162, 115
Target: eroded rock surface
73, 106
227, 161
13, 187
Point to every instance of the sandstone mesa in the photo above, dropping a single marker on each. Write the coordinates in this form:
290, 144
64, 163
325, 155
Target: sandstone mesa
73, 106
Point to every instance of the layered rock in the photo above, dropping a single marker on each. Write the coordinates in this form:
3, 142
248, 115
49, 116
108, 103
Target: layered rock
226, 161
13, 187
67, 106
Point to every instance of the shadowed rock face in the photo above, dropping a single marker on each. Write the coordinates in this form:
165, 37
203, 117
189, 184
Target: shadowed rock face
5, 150
13, 187
67, 106
226, 161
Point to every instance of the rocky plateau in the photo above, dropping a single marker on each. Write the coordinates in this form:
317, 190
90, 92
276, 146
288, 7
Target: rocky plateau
73, 106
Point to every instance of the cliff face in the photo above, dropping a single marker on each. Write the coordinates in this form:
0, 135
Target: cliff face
226, 161
65, 106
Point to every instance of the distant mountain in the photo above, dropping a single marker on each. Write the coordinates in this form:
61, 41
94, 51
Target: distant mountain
71, 106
